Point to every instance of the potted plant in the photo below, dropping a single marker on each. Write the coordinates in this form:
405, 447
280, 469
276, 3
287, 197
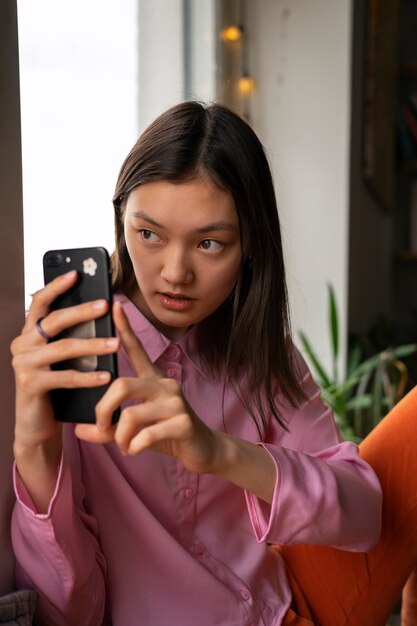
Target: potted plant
370, 386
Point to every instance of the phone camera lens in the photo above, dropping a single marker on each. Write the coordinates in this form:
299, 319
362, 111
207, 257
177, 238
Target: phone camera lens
53, 260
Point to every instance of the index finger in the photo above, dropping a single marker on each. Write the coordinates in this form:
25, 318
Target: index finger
142, 365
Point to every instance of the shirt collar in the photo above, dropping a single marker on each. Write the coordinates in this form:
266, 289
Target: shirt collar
153, 341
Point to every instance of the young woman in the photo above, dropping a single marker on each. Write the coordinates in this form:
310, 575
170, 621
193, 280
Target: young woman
189, 510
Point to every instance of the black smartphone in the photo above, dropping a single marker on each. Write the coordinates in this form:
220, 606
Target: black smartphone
94, 282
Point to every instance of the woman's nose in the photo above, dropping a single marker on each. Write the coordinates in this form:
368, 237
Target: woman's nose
177, 267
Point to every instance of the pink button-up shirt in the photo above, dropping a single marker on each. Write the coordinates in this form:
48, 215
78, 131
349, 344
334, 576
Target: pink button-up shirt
135, 541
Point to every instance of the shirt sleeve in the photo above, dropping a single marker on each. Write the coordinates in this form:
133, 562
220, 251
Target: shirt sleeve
58, 554
324, 492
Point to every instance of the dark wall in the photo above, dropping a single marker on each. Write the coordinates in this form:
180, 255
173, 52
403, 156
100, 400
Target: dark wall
371, 225
11, 264
382, 272
405, 269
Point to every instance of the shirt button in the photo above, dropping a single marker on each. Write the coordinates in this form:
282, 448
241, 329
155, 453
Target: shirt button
170, 372
189, 493
245, 594
198, 548
174, 352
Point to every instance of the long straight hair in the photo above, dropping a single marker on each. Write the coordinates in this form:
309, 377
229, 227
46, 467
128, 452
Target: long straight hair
247, 340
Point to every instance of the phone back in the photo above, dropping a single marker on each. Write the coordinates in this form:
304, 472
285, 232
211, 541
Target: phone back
94, 282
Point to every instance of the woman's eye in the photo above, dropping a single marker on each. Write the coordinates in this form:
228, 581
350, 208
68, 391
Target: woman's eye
210, 245
148, 235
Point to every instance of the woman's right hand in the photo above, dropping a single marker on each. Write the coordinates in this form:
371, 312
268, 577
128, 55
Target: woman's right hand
38, 443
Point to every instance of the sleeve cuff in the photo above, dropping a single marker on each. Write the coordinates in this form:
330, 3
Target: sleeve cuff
260, 512
23, 496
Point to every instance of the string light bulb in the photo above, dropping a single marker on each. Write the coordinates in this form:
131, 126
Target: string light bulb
246, 84
232, 33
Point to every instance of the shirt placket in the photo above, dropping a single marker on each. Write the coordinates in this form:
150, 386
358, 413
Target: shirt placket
187, 482
172, 358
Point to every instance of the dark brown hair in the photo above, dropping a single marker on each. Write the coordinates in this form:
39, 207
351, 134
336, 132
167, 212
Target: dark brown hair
248, 337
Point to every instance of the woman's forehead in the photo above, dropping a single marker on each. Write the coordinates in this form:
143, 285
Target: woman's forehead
201, 202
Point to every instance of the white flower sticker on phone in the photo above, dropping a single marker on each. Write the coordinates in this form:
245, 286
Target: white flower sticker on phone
89, 266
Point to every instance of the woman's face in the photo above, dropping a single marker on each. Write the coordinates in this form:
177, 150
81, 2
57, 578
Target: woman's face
184, 243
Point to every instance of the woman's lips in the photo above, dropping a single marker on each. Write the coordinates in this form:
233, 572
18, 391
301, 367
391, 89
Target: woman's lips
175, 302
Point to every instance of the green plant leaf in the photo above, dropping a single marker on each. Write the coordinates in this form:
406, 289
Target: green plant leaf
386, 356
359, 402
388, 385
377, 412
402, 351
324, 380
354, 359
334, 329
339, 406
346, 430
367, 366
359, 421
342, 388
327, 398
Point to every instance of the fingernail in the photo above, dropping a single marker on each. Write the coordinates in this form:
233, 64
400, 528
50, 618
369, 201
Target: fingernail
112, 343
98, 304
104, 376
69, 275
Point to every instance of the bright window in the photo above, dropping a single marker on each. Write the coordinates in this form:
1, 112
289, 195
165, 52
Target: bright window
79, 102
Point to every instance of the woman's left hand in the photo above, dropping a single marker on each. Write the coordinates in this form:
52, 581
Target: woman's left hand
162, 420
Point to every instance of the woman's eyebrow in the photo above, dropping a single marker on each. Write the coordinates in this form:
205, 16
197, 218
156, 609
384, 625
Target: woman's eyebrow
219, 225
142, 215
